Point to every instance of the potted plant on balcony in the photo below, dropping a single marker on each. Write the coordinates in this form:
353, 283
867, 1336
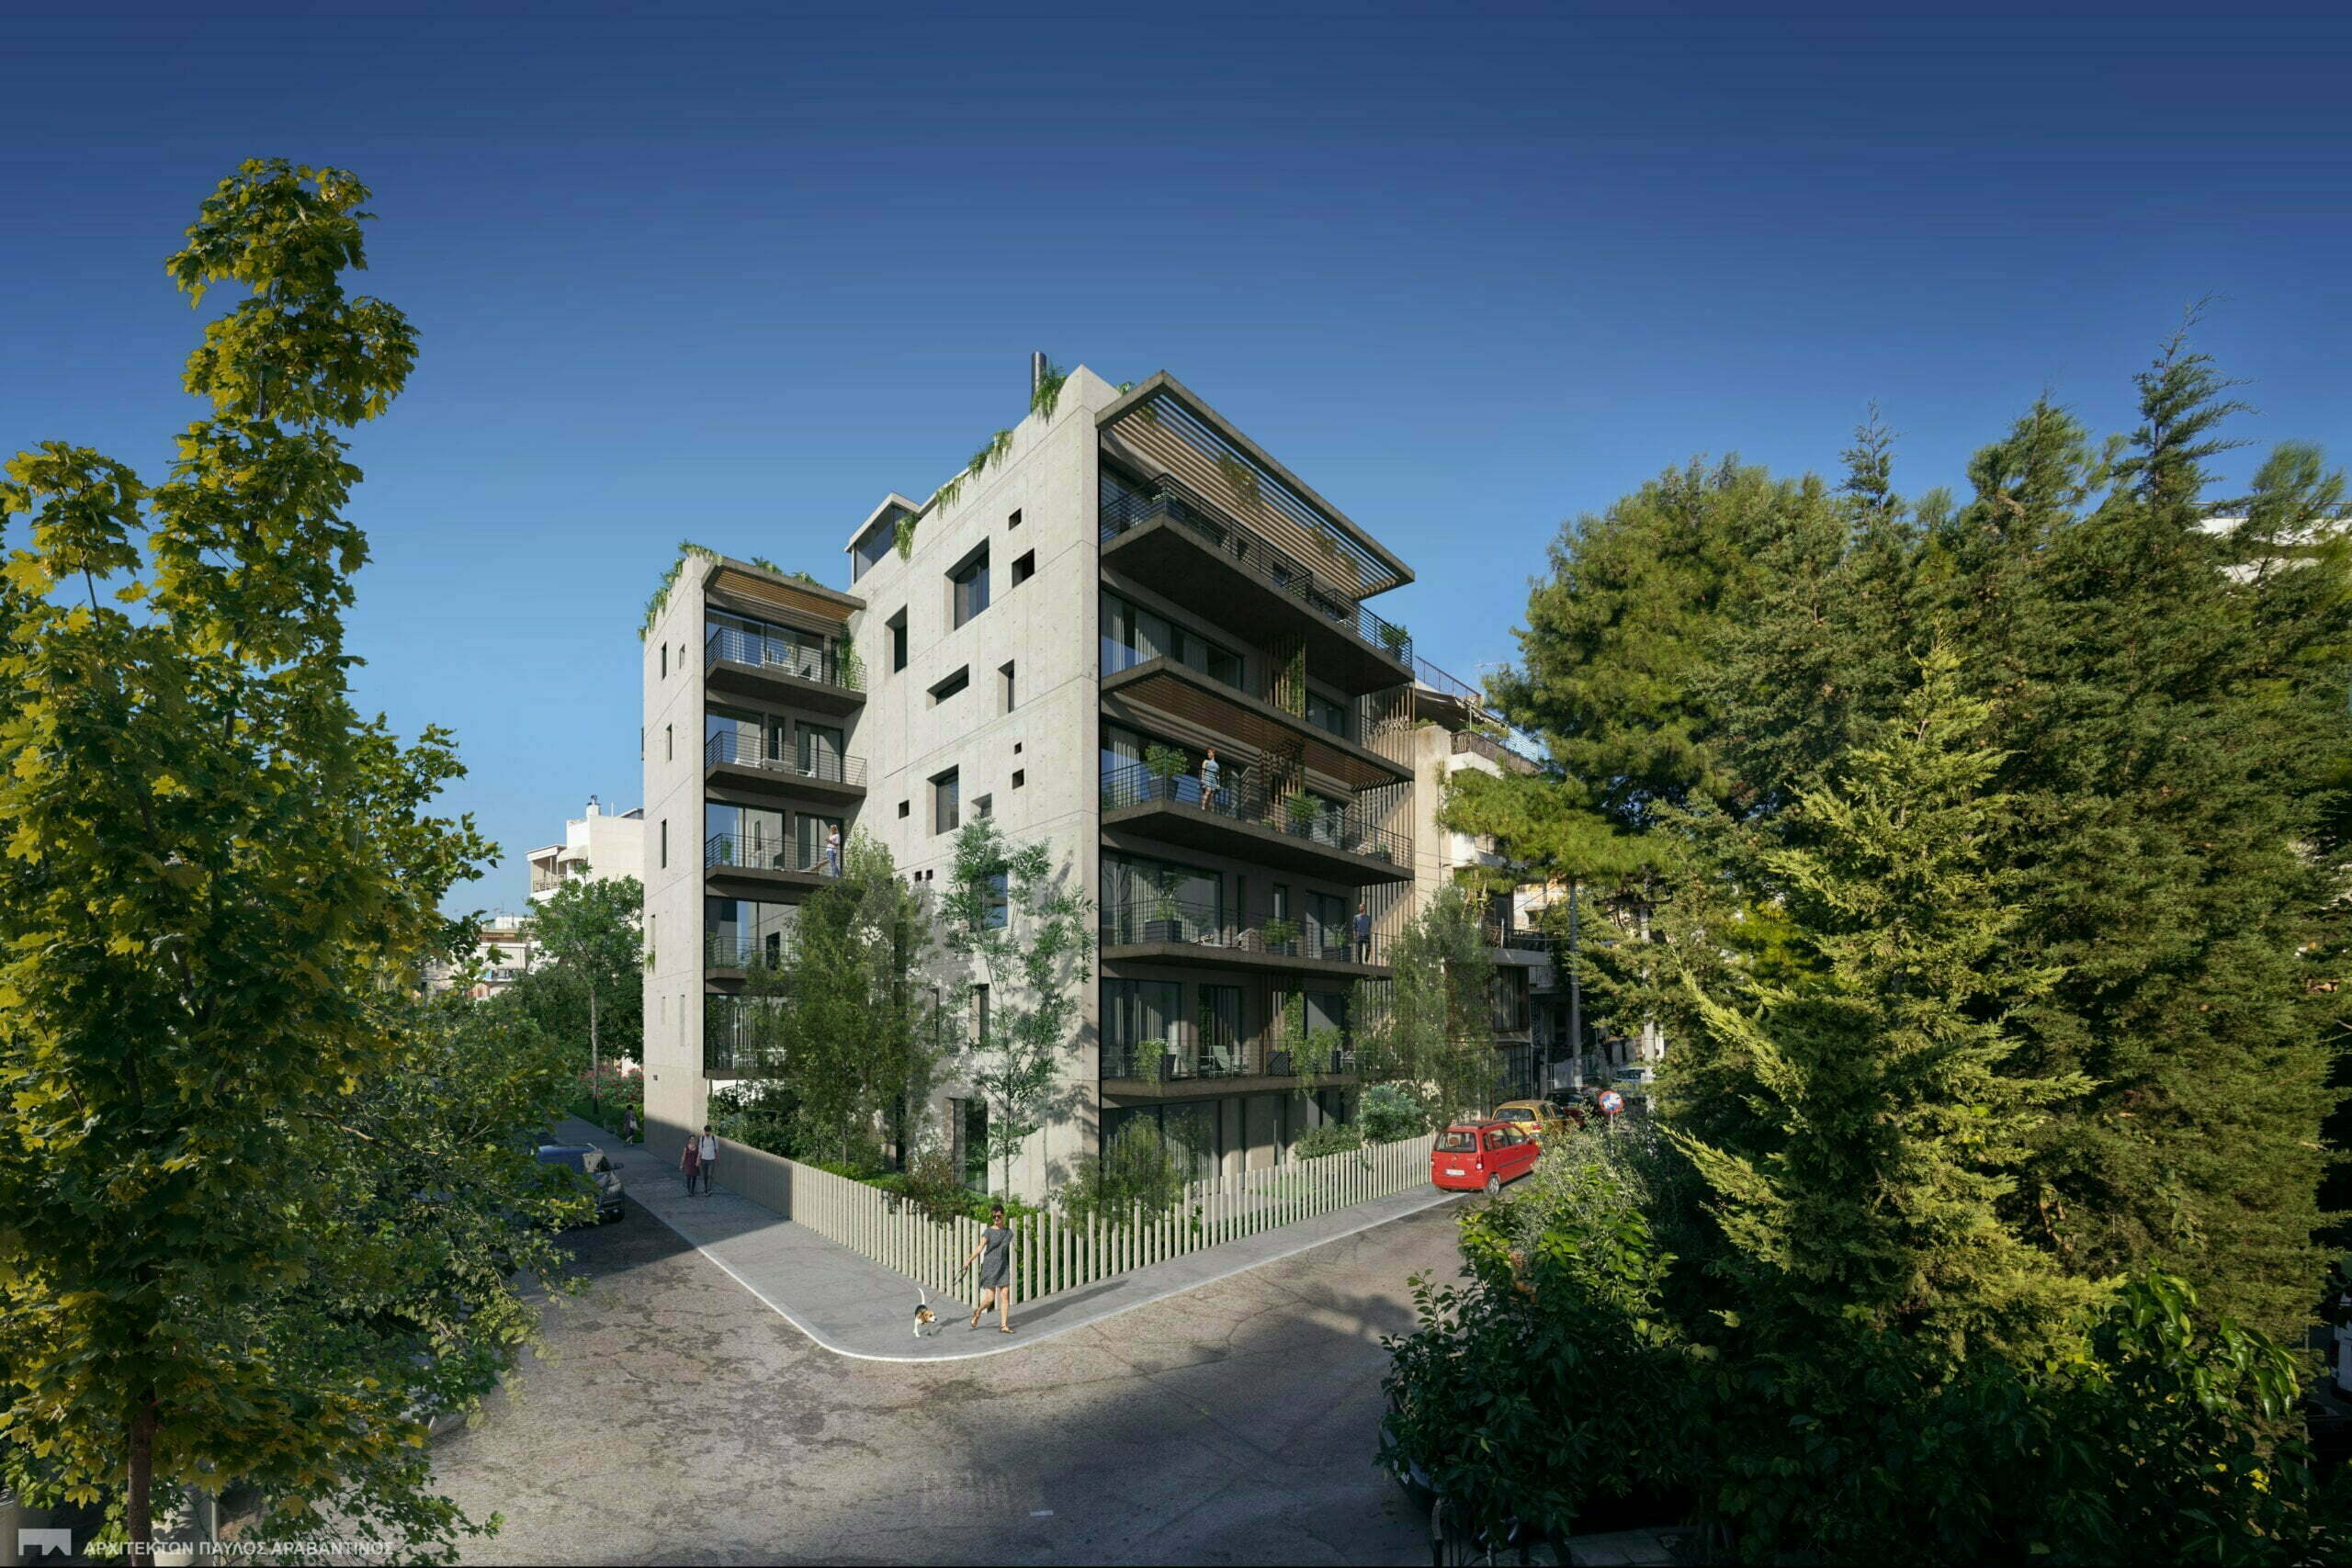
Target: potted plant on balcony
1281, 934
1395, 638
1302, 810
1164, 924
1164, 763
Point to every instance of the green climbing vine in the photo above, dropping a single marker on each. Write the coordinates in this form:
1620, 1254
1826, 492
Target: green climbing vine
1048, 395
687, 547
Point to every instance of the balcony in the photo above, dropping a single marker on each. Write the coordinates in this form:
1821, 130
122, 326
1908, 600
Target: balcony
768, 861
1248, 820
819, 675
736, 757
1219, 568
1240, 1066
1182, 930
735, 953
1176, 690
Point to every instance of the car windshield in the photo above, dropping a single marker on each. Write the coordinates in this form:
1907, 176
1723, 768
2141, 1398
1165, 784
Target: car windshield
1455, 1141
1517, 1113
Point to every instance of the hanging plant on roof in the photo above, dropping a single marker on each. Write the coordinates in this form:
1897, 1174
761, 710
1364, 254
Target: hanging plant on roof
670, 580
1048, 392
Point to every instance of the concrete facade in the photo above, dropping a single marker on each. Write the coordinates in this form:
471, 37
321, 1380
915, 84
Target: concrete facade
1233, 593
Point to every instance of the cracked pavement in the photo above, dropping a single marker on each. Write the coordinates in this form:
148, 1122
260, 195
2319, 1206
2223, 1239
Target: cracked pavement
675, 1419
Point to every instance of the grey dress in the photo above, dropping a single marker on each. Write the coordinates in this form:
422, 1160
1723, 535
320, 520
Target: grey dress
996, 1263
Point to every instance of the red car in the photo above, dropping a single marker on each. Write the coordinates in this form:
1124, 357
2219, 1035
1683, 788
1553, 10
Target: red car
1471, 1154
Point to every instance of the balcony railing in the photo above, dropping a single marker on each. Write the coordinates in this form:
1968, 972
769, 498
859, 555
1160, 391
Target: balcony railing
744, 950
1153, 920
1168, 497
1178, 1064
761, 851
744, 751
1496, 934
809, 660
1342, 827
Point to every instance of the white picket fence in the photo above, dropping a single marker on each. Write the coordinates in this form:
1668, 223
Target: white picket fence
1052, 1254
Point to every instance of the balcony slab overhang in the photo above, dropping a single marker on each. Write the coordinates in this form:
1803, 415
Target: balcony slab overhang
1211, 956
1142, 1091
776, 684
781, 780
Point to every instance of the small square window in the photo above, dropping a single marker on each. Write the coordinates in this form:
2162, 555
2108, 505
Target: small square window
1025, 567
983, 806
1020, 777
1013, 521
969, 582
906, 808
952, 684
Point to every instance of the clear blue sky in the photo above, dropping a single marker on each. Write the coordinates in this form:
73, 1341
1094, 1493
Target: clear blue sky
730, 274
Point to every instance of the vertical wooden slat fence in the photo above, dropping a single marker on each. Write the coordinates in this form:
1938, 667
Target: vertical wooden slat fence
1052, 1253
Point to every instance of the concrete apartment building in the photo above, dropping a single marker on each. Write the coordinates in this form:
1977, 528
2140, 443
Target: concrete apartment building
597, 847
1134, 581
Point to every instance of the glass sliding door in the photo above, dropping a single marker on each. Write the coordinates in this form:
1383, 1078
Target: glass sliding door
1139, 1028
1221, 1039
820, 751
741, 835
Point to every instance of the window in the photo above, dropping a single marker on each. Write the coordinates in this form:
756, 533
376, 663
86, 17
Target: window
820, 755
743, 834
1020, 777
874, 545
1013, 521
665, 661
947, 802
970, 581
898, 625
952, 684
1131, 636
668, 743
1005, 670
1325, 714
665, 841
905, 807
973, 1128
980, 1014
1220, 1030
1025, 567
1140, 1019
813, 840
983, 805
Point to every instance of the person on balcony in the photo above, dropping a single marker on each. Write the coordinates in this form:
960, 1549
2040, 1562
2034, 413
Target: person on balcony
1210, 774
1362, 931
833, 851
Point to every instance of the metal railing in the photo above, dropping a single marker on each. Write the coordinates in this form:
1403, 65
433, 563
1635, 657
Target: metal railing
1342, 827
1185, 1063
1170, 498
745, 950
762, 852
1498, 935
1197, 924
788, 656
744, 751
740, 1036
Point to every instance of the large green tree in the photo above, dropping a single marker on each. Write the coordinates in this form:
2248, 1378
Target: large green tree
591, 990
221, 880
2166, 694
1434, 1036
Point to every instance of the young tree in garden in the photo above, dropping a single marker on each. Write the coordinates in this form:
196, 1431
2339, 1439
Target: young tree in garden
1865, 1116
590, 937
220, 882
857, 1048
1009, 914
1435, 1037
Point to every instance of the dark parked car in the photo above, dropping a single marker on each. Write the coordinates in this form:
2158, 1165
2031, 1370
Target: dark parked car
592, 1163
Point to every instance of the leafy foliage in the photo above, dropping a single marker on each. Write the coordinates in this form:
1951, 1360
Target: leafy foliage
1433, 1040
687, 550
590, 994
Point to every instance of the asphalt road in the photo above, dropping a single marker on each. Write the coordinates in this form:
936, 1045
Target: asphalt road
676, 1419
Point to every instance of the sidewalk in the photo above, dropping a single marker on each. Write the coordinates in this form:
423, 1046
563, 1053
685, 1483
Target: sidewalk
858, 1308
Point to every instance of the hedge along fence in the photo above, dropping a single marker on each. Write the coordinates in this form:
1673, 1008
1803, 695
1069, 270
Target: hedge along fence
1050, 1253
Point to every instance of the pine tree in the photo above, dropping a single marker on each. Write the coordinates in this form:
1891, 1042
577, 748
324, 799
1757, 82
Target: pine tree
1882, 1115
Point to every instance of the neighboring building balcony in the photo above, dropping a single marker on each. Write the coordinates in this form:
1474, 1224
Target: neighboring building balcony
1180, 930
1193, 553
1246, 819
766, 860
822, 675
736, 756
1237, 1067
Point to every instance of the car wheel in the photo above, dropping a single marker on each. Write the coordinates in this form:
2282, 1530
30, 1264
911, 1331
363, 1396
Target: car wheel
1494, 1184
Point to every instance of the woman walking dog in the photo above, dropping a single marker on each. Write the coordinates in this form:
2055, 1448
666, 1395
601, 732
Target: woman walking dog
994, 1251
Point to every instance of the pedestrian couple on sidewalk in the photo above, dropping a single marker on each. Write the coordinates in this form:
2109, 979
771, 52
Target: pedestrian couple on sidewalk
701, 1158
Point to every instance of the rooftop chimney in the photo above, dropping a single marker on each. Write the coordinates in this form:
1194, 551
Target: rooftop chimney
591, 805
1037, 372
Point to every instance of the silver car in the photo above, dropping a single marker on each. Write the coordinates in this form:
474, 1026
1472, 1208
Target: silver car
593, 1163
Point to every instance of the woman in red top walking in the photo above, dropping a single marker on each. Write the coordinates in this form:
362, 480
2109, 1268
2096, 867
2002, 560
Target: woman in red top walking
691, 1162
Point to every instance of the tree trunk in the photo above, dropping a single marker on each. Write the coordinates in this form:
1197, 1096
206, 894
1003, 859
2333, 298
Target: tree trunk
139, 1521
595, 1086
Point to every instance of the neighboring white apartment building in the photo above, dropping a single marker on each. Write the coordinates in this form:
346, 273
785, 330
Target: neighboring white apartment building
1134, 574
598, 846
508, 950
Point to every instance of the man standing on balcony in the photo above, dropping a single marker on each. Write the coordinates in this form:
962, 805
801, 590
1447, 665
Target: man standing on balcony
1210, 774
1362, 931
833, 851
